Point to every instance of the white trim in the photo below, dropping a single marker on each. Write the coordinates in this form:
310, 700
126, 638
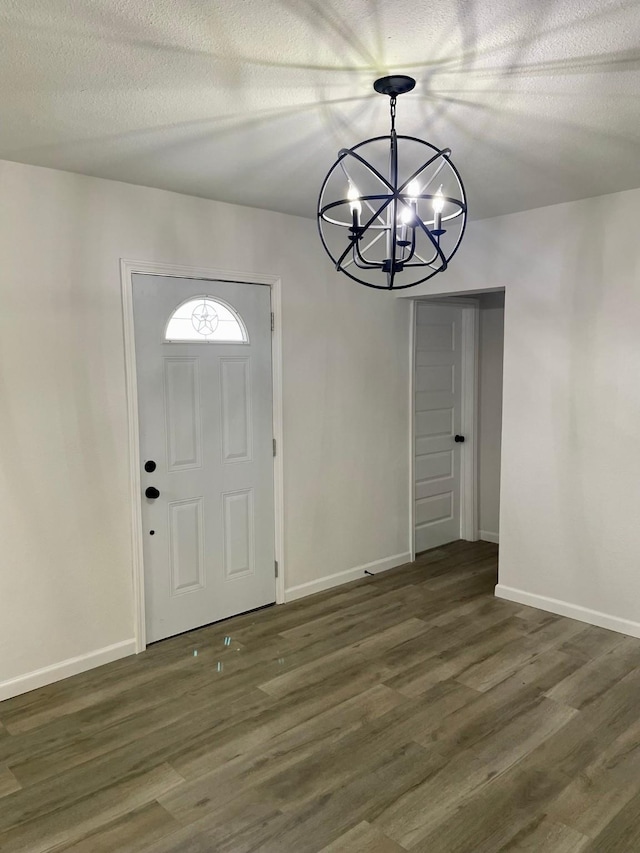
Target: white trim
487, 536
64, 669
412, 430
468, 464
135, 484
278, 434
127, 269
339, 578
573, 611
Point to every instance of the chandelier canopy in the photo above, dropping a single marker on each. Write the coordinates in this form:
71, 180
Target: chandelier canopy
392, 210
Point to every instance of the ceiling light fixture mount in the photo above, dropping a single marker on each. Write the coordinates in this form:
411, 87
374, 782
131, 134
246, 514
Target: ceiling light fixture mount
396, 84
416, 208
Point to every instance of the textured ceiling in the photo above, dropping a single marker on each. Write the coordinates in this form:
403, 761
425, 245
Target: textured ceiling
248, 101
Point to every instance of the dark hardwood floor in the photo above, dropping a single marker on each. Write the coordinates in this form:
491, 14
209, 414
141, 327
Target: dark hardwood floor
408, 711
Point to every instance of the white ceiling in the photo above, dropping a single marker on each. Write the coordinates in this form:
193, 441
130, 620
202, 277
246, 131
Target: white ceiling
248, 101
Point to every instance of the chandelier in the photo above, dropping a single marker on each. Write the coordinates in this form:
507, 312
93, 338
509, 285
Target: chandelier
392, 209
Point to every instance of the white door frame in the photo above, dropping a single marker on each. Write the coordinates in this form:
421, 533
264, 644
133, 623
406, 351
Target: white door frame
127, 269
469, 415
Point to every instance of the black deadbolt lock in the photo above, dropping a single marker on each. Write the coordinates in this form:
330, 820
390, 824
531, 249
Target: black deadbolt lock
151, 492
149, 466
459, 438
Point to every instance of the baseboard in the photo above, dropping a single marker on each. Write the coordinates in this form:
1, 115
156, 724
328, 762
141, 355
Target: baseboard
64, 669
573, 611
487, 536
337, 579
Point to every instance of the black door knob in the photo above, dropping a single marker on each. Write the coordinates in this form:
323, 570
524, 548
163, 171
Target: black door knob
151, 492
459, 438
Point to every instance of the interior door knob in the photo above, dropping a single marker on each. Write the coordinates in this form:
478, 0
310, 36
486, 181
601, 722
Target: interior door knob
459, 438
151, 492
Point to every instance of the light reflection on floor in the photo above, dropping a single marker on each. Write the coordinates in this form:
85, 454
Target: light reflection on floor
227, 642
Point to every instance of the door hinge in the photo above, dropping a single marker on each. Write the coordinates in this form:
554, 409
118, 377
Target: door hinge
274, 447
273, 321
276, 567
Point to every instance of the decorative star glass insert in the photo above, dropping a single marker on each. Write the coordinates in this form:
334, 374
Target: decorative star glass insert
205, 319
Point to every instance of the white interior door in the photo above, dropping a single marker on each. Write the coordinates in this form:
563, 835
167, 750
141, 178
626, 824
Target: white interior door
438, 420
203, 357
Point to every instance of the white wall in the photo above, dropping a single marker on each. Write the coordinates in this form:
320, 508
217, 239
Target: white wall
65, 584
570, 482
490, 349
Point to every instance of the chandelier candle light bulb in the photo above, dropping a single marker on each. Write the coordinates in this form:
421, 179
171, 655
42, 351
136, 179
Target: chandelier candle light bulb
413, 190
407, 215
384, 242
354, 200
438, 207
355, 206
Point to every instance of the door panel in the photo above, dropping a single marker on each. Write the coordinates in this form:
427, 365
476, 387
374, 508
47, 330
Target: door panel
438, 369
434, 466
182, 413
187, 545
437, 508
238, 533
235, 405
434, 423
205, 412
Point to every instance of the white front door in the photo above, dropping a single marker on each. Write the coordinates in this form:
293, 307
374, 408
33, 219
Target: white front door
203, 356
438, 419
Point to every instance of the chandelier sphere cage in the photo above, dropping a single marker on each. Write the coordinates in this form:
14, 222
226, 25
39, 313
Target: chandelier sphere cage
392, 210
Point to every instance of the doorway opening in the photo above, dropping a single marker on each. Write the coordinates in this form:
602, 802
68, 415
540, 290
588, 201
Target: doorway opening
456, 419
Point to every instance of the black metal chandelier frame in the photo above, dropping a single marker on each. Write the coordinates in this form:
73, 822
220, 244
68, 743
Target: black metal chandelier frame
401, 253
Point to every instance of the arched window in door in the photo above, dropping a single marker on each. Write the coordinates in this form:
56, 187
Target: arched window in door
204, 319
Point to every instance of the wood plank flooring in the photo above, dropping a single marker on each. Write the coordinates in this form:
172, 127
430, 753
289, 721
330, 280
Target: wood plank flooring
407, 711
